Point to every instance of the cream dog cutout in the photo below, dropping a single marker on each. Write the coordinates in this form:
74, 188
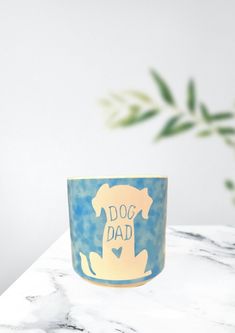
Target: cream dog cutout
121, 203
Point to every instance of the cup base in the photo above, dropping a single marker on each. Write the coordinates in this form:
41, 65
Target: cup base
127, 285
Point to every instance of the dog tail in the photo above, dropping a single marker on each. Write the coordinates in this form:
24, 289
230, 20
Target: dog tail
85, 265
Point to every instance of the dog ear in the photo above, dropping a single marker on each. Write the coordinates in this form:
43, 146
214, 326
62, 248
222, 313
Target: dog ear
98, 200
147, 202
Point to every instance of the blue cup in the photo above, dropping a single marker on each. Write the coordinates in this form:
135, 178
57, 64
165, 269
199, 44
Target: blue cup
117, 228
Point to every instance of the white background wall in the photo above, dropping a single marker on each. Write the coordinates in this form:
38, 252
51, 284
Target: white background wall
57, 58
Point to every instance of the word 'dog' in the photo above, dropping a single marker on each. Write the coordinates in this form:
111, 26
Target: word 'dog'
121, 212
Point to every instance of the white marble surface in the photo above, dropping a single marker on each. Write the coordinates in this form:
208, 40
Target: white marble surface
194, 293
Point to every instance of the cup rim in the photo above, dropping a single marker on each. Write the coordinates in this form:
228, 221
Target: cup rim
118, 177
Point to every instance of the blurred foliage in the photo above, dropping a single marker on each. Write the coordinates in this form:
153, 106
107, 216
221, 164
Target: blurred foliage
132, 107
230, 185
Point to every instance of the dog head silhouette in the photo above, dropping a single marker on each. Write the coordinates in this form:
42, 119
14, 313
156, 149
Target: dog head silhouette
127, 199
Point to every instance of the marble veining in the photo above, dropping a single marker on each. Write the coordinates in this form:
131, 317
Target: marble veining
194, 293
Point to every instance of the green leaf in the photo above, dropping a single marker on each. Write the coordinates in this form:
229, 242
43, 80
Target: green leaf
205, 112
226, 130
163, 88
221, 116
210, 117
183, 127
172, 127
126, 121
135, 117
147, 115
229, 184
167, 129
204, 133
191, 96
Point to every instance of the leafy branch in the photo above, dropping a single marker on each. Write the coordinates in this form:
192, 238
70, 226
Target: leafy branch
132, 107
129, 108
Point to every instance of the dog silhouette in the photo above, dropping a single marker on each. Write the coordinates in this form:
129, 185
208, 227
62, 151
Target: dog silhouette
121, 204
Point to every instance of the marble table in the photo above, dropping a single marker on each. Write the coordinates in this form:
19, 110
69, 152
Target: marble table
194, 293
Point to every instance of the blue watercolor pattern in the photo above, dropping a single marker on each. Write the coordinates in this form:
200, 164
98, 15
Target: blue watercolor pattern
86, 229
